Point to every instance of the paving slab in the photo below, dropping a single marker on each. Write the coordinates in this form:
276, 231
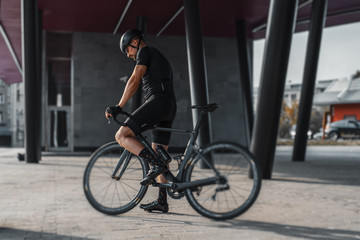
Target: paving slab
316, 199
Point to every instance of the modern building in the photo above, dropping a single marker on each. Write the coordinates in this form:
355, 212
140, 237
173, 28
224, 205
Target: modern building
343, 99
292, 91
17, 112
12, 127
5, 133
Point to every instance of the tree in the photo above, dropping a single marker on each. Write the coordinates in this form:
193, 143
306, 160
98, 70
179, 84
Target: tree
288, 118
356, 75
284, 125
315, 120
292, 112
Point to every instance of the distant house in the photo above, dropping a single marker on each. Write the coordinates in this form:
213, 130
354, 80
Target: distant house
343, 98
292, 91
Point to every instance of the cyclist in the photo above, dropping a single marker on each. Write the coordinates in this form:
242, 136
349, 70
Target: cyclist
159, 108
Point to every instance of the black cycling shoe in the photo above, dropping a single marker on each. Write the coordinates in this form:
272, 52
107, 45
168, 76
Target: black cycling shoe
155, 206
153, 173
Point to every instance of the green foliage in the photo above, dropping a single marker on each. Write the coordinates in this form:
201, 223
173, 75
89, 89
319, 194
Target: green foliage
315, 121
289, 116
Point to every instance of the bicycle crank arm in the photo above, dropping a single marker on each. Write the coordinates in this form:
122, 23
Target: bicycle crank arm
164, 185
197, 183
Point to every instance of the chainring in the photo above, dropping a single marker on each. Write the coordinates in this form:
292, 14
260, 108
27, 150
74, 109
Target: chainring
175, 194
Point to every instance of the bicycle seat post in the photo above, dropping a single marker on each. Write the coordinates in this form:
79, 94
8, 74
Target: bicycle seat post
204, 110
198, 123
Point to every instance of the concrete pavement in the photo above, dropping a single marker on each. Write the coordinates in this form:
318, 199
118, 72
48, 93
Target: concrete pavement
317, 199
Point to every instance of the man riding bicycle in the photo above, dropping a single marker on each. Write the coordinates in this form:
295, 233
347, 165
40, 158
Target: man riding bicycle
159, 108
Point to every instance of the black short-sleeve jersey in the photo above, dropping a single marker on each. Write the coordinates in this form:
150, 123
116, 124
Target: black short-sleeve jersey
158, 76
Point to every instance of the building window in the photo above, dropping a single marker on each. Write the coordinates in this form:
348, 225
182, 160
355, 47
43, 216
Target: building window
2, 99
1, 117
350, 117
18, 95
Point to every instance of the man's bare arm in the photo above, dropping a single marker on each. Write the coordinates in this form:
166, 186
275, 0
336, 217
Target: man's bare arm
133, 84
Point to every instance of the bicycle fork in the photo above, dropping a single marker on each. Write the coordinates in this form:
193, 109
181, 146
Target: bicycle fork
124, 158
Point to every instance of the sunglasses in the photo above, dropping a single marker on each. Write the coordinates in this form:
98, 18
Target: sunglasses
127, 49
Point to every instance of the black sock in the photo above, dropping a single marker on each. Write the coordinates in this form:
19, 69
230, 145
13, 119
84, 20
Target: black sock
148, 157
162, 195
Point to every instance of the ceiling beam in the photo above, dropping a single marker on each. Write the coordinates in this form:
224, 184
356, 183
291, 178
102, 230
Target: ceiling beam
170, 21
122, 16
11, 49
333, 14
264, 25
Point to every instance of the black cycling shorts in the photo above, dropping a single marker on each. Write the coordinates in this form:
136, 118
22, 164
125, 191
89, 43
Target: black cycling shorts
159, 110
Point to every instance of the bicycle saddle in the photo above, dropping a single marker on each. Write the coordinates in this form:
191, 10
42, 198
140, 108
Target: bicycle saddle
206, 108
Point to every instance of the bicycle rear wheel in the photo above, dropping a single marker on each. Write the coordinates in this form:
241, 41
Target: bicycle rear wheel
107, 194
224, 200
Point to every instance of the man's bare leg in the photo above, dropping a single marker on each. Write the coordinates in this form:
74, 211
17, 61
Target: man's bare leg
126, 138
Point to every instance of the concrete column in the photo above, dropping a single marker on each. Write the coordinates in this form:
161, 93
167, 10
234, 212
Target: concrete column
38, 32
318, 16
245, 75
197, 69
281, 20
30, 46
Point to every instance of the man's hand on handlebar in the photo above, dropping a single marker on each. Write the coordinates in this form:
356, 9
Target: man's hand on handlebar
112, 111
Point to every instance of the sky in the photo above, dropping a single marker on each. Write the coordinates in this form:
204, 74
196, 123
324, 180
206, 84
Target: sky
339, 54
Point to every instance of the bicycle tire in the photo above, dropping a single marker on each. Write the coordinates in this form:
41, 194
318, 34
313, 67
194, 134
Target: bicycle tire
106, 194
243, 178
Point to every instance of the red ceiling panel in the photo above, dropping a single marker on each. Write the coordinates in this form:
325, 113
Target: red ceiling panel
218, 19
10, 19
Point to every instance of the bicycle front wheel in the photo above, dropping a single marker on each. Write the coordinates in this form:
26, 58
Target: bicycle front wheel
230, 197
110, 195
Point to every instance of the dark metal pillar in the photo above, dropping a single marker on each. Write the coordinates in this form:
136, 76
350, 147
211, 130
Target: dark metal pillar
318, 16
31, 82
137, 98
39, 36
245, 73
281, 20
196, 63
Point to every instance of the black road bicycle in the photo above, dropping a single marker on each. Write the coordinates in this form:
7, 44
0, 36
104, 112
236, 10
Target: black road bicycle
220, 181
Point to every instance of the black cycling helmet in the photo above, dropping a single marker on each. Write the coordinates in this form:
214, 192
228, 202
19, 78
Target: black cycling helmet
128, 36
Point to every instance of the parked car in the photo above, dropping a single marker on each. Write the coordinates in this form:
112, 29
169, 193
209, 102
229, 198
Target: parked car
318, 135
293, 132
343, 129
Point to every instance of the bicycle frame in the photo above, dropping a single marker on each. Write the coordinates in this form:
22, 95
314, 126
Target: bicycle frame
214, 178
191, 148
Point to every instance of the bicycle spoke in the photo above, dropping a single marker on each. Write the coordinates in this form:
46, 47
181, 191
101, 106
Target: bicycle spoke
126, 191
108, 195
229, 199
124, 183
118, 195
102, 169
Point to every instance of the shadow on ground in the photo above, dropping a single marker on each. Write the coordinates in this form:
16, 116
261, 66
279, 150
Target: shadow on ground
11, 233
328, 166
290, 231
